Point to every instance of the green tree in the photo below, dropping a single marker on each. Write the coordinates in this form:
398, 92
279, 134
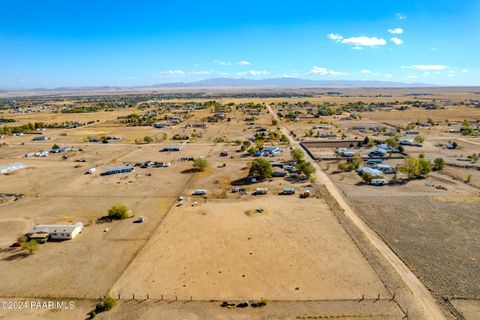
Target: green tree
357, 161
259, 143
392, 142
419, 139
261, 168
200, 164
425, 167
410, 167
439, 163
30, 246
118, 212
297, 154
148, 139
306, 168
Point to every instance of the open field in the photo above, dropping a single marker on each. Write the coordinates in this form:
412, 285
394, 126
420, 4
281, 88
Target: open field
307, 257
296, 251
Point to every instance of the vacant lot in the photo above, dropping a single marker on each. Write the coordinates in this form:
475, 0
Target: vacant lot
435, 231
213, 250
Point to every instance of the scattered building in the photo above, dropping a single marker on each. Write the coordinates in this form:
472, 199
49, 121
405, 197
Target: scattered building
117, 170
11, 167
55, 231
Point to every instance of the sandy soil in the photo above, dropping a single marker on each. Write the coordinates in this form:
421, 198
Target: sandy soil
215, 251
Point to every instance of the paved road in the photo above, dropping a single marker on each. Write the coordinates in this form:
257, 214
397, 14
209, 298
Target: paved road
431, 309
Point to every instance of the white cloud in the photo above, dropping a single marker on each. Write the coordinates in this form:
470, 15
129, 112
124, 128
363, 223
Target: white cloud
223, 63
401, 16
335, 37
244, 63
365, 41
225, 74
395, 31
396, 40
325, 72
358, 42
171, 73
201, 73
451, 73
430, 67
253, 73
464, 71
388, 76
364, 71
181, 73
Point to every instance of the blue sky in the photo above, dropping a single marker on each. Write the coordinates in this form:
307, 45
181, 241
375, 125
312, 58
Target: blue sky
93, 43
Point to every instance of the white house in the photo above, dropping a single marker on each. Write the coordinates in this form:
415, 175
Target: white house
58, 231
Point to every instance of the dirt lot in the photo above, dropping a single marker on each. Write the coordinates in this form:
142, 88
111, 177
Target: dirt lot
434, 231
213, 250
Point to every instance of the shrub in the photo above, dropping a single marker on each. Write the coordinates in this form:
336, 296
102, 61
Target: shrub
148, 139
30, 246
439, 163
297, 154
107, 303
200, 164
419, 139
274, 122
118, 212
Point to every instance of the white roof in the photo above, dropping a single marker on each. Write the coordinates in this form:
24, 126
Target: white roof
56, 228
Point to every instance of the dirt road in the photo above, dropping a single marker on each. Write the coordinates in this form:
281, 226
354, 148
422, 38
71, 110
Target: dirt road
423, 296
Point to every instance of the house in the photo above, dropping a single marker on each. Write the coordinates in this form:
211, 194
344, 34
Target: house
171, 149
200, 192
199, 125
161, 125
385, 168
60, 150
56, 231
11, 167
323, 126
344, 152
117, 170
162, 164
378, 153
277, 172
374, 172
259, 191
40, 138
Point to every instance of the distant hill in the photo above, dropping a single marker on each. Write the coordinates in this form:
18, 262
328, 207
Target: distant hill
288, 83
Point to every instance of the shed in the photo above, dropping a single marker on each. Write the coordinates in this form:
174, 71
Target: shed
288, 190
261, 191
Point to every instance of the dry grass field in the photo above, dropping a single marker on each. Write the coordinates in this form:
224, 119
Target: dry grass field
213, 250
297, 254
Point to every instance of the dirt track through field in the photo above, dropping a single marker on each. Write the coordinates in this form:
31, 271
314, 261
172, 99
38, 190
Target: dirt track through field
431, 309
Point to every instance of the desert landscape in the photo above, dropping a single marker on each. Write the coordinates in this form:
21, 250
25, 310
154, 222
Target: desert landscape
236, 200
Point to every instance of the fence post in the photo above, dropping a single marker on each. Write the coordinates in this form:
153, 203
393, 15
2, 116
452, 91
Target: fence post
133, 296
